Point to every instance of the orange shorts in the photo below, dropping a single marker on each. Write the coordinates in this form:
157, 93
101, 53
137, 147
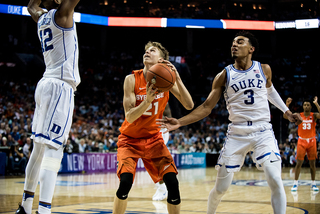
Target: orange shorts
153, 152
308, 146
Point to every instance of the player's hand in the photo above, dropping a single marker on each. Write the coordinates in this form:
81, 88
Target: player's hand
294, 118
315, 100
169, 123
288, 101
173, 68
151, 92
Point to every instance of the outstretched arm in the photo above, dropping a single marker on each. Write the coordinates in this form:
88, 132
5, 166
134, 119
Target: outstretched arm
35, 10
315, 102
275, 98
201, 111
180, 91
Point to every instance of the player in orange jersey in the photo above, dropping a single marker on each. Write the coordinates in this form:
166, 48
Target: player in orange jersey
307, 141
140, 135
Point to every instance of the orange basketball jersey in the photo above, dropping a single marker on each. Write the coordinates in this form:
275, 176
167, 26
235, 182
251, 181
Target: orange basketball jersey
307, 129
145, 126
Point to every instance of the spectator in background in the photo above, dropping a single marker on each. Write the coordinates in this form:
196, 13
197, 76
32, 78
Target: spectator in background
11, 141
82, 145
26, 148
69, 147
15, 134
17, 159
293, 160
193, 148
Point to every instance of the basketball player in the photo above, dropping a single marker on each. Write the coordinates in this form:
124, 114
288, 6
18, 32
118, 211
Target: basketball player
54, 98
247, 87
140, 135
162, 191
307, 142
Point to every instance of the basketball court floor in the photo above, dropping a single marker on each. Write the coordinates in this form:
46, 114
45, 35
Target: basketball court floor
94, 193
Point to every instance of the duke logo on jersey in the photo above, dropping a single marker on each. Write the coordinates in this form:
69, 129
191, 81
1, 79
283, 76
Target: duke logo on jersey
246, 94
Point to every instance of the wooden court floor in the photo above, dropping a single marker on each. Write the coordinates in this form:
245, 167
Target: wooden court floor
94, 193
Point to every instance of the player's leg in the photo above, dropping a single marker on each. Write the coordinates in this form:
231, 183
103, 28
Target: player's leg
312, 156
31, 178
272, 170
120, 200
223, 181
48, 175
301, 152
173, 199
161, 192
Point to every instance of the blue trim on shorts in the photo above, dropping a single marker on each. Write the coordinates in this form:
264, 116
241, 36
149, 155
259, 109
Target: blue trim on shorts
231, 167
262, 156
46, 137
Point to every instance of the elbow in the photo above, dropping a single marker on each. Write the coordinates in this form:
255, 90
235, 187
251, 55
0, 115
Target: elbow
129, 119
189, 106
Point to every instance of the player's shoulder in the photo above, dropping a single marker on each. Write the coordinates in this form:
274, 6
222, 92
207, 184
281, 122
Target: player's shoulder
265, 67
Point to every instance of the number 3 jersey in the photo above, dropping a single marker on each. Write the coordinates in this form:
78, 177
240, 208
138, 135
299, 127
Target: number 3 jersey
307, 129
145, 126
60, 49
246, 94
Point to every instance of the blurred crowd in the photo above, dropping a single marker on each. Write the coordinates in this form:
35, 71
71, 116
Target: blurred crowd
98, 100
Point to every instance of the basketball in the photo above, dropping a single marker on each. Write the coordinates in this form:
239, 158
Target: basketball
161, 76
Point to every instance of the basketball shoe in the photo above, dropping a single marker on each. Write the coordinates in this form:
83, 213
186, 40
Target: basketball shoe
314, 188
161, 193
20, 210
294, 188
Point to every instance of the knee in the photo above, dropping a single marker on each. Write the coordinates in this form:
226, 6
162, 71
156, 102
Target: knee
172, 184
126, 180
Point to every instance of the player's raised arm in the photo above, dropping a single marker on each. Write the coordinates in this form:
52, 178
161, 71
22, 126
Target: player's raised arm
315, 102
64, 14
201, 111
180, 91
35, 10
133, 112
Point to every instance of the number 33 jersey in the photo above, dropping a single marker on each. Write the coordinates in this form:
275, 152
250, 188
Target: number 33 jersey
246, 94
60, 49
307, 129
145, 126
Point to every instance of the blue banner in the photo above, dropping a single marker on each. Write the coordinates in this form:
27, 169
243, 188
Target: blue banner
107, 162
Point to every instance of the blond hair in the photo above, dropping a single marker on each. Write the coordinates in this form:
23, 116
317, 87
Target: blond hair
163, 51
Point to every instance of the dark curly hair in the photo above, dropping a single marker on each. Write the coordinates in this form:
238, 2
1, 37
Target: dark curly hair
252, 39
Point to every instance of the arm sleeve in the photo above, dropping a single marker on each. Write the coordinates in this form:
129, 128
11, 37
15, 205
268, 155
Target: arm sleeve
276, 100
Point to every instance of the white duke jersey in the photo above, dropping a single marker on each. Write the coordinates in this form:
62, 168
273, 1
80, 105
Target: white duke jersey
60, 49
246, 94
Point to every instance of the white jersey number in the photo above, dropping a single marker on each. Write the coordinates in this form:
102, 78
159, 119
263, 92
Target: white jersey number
306, 126
44, 43
148, 112
250, 96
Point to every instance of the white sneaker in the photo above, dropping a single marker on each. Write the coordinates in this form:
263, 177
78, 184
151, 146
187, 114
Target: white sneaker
294, 188
161, 193
314, 188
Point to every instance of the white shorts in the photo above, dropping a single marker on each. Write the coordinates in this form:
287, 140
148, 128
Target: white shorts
53, 114
241, 139
165, 136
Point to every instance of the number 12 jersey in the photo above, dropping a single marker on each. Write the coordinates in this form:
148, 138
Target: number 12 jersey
60, 49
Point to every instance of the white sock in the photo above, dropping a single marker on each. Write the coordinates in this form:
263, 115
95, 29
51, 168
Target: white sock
162, 186
44, 209
313, 182
27, 201
295, 182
